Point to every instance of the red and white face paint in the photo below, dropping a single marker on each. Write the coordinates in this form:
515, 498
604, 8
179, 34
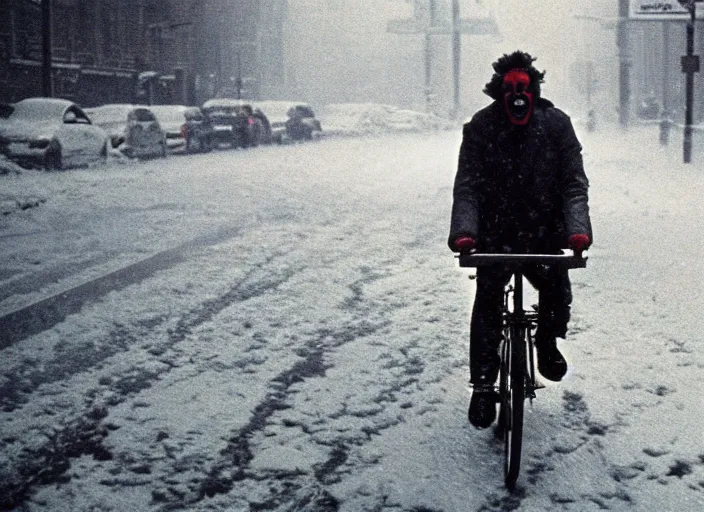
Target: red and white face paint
518, 102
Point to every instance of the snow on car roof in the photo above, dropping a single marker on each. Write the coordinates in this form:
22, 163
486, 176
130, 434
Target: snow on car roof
224, 102
41, 108
170, 112
111, 113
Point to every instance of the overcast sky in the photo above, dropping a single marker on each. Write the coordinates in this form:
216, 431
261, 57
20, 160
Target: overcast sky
340, 50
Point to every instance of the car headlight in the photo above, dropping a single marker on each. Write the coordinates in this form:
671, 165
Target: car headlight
40, 143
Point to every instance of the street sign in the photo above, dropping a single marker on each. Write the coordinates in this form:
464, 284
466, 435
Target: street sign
659, 10
690, 63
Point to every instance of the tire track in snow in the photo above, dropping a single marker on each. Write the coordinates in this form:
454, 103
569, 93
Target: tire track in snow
46, 313
299, 491
578, 436
25, 379
82, 434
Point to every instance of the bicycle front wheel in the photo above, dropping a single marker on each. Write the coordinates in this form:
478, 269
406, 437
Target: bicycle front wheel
512, 402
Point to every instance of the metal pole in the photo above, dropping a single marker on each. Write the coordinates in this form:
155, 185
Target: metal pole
624, 64
238, 82
428, 72
456, 51
687, 147
665, 121
47, 86
666, 67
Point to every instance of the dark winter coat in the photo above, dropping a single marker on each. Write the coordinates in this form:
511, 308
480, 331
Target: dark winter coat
520, 188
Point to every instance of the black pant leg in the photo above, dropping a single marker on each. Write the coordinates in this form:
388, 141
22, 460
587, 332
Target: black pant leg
554, 299
485, 326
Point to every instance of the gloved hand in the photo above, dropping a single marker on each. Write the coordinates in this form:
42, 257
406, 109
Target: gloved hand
579, 242
464, 243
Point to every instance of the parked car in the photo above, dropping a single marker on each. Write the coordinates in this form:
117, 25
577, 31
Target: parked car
232, 121
302, 123
290, 120
187, 129
50, 133
133, 129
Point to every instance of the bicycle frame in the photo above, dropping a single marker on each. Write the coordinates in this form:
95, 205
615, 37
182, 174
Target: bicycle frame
520, 324
517, 371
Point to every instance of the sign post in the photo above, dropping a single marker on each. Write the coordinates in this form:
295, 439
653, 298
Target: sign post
624, 67
690, 65
425, 21
680, 10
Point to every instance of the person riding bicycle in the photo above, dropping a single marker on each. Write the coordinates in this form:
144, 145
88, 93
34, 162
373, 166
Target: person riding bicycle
520, 187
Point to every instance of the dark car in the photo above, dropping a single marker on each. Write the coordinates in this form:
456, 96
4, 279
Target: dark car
187, 129
302, 124
289, 120
232, 122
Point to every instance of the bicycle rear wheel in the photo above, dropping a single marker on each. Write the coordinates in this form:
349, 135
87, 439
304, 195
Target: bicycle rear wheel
512, 387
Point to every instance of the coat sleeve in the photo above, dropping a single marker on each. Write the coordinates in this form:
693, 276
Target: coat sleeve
574, 183
466, 198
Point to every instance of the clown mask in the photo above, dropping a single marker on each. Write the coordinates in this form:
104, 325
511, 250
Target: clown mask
518, 101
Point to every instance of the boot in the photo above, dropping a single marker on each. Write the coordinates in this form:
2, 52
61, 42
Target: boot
551, 363
482, 406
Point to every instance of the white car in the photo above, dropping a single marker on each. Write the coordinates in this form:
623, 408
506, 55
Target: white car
133, 129
50, 133
187, 129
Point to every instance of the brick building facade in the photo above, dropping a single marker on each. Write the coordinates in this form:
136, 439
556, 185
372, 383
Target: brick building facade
144, 51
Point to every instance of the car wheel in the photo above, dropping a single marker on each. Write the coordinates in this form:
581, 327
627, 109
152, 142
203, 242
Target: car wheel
52, 158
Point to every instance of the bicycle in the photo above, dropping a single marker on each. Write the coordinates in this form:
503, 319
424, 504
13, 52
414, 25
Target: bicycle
517, 368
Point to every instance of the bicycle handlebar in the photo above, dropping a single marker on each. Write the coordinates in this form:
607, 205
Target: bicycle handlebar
475, 259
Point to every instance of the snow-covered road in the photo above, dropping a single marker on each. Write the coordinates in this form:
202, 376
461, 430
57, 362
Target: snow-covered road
308, 350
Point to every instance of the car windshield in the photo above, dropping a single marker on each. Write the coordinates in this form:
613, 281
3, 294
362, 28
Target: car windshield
6, 110
220, 117
169, 114
305, 111
143, 115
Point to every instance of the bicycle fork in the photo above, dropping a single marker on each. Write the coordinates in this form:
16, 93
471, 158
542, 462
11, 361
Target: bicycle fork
522, 324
